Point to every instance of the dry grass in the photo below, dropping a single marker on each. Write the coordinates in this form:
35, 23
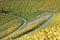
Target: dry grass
50, 32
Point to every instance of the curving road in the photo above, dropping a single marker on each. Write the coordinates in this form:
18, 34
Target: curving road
53, 15
41, 18
43, 25
24, 23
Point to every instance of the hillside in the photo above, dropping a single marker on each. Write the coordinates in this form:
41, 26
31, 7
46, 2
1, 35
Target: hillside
22, 12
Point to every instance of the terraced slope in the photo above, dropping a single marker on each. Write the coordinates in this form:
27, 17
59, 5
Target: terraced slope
27, 9
49, 32
29, 27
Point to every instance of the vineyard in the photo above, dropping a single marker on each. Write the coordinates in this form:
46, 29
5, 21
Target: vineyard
20, 17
